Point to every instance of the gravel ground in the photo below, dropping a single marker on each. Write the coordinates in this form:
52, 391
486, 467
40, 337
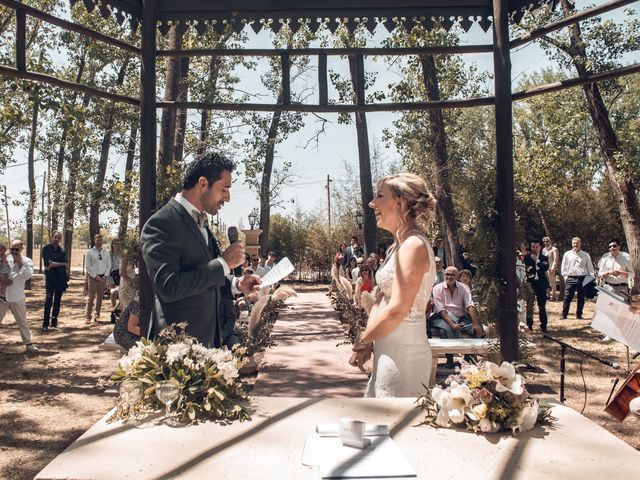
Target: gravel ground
49, 399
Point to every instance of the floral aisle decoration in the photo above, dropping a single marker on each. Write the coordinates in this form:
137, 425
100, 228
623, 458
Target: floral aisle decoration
255, 334
208, 380
353, 318
485, 398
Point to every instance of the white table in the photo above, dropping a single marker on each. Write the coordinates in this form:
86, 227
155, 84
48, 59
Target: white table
271, 446
459, 346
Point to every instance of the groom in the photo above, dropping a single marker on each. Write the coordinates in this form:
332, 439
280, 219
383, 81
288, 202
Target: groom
184, 262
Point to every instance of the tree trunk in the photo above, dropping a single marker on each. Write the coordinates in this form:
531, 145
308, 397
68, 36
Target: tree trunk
212, 83
58, 185
168, 120
440, 159
624, 188
265, 184
32, 178
181, 121
364, 163
98, 187
128, 169
70, 199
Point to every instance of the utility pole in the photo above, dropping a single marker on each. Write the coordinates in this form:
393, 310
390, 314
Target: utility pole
6, 211
328, 187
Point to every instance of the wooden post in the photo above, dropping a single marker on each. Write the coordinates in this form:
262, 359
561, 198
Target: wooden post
507, 313
147, 147
360, 82
323, 97
286, 78
21, 42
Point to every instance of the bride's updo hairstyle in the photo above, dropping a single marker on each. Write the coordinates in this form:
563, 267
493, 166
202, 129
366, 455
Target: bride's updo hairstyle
419, 204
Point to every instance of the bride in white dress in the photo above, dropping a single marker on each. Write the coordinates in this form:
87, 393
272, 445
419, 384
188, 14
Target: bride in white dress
396, 329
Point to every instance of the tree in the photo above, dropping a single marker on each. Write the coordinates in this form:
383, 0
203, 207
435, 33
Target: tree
266, 132
597, 46
348, 90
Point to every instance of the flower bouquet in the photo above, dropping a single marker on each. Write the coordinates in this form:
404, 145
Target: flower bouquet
207, 378
484, 398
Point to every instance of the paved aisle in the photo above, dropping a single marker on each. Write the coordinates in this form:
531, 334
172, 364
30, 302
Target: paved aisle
306, 361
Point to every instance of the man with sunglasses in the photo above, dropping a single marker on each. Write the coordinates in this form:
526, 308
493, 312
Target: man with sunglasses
20, 270
98, 265
615, 268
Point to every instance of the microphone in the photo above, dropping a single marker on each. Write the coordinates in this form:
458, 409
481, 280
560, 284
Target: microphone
232, 233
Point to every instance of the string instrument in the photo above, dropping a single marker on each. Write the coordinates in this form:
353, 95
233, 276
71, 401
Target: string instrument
618, 406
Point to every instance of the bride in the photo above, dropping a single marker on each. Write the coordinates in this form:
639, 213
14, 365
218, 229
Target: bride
396, 329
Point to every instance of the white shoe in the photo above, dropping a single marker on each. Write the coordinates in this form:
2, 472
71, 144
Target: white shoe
31, 348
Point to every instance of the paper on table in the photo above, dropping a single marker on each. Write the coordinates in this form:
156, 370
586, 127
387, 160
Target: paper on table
383, 458
614, 319
280, 270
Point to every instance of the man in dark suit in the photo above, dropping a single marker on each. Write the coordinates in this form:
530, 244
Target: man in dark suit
352, 251
182, 256
536, 265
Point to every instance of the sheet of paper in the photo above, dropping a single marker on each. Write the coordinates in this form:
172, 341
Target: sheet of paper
382, 459
280, 270
613, 318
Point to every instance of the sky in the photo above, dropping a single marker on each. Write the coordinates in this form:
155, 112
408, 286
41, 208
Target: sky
311, 165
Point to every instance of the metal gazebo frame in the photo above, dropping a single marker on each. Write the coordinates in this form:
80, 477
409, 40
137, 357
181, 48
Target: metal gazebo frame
156, 16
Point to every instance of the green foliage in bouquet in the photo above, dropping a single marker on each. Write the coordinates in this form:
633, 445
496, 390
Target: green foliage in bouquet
208, 377
484, 398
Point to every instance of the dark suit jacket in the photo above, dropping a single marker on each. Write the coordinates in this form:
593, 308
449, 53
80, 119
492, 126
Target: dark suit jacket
186, 275
540, 268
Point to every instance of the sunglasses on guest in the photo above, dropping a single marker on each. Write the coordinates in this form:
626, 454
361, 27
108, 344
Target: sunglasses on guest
16, 250
614, 246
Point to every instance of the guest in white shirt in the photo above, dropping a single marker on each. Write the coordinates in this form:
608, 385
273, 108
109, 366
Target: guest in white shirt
20, 270
98, 265
576, 265
615, 268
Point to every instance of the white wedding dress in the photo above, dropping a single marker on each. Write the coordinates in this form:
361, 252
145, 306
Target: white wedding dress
402, 359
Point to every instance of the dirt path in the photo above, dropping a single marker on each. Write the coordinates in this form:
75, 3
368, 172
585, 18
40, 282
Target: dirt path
48, 400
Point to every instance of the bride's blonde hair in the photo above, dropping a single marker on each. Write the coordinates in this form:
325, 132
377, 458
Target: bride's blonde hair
419, 204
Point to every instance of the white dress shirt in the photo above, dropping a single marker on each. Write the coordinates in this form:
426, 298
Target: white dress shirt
98, 262
576, 264
609, 263
188, 206
15, 291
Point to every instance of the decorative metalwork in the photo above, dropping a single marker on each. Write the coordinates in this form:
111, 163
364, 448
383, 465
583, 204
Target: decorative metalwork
191, 15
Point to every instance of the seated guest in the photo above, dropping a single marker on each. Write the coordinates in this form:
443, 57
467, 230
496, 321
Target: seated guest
439, 271
454, 311
126, 331
364, 283
465, 277
353, 265
372, 263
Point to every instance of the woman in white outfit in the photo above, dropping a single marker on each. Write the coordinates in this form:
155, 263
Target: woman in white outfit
396, 329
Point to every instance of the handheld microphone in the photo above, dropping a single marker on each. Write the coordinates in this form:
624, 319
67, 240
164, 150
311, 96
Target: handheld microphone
232, 233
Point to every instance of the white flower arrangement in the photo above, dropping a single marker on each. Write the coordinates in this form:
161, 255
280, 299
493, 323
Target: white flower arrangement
485, 398
208, 377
